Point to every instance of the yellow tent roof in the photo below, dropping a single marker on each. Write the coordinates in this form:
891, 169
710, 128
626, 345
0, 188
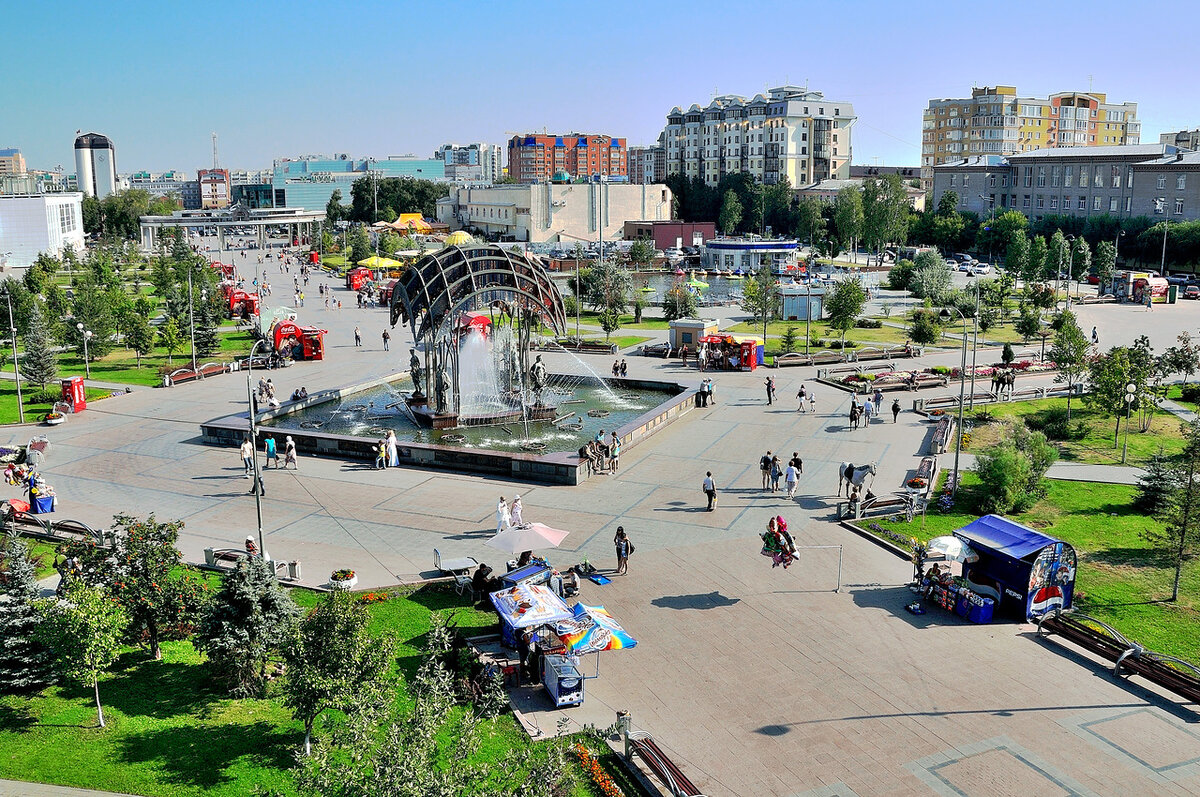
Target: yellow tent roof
374, 261
458, 238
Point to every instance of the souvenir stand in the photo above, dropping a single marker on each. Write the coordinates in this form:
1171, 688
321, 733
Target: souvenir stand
527, 606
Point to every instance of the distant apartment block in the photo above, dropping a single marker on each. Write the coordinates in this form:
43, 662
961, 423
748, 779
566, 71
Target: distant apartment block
472, 163
308, 182
1184, 139
791, 133
642, 165
538, 158
11, 162
995, 121
214, 188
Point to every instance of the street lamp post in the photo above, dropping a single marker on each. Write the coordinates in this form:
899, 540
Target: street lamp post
192, 317
1070, 268
1129, 396
262, 548
991, 226
87, 335
962, 384
807, 310
16, 368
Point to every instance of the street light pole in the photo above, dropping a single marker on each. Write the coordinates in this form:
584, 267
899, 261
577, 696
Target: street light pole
1070, 267
962, 383
87, 365
262, 548
192, 317
16, 368
1129, 396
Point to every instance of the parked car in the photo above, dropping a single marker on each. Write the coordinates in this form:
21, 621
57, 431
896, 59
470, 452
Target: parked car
953, 264
1191, 292
978, 269
1177, 280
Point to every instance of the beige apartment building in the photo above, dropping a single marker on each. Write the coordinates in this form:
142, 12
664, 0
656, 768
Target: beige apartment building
995, 121
12, 161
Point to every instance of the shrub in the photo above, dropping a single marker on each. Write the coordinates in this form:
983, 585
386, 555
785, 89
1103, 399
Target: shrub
868, 323
1053, 423
46, 396
1191, 393
940, 370
837, 344
1004, 474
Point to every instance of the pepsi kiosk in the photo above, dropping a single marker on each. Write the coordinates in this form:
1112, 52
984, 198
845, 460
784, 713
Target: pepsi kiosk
1027, 572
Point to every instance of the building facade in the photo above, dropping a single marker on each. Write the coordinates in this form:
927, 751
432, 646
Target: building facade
1155, 180
34, 223
792, 133
827, 190
1183, 139
95, 165
252, 195
995, 121
547, 212
472, 163
214, 188
11, 161
160, 184
309, 182
666, 234
642, 165
538, 158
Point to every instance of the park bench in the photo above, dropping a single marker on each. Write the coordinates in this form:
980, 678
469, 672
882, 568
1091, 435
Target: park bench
43, 528
661, 765
940, 442
792, 358
865, 355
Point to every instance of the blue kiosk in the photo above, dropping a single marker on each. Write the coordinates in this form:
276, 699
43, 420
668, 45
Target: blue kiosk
1027, 572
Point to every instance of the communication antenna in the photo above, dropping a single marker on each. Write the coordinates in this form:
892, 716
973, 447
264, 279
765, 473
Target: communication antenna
214, 138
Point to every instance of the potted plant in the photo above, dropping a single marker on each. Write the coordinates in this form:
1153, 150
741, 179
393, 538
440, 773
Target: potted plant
343, 579
916, 483
54, 418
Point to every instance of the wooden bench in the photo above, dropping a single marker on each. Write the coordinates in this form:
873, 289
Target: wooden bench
661, 765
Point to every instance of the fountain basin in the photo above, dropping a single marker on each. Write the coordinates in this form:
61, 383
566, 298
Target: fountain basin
553, 467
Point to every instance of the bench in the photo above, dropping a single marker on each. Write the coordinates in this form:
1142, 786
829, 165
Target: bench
661, 765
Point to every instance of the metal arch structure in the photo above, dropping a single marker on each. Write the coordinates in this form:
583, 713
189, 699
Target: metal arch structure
444, 283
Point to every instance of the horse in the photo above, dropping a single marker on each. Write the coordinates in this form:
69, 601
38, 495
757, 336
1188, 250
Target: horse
851, 475
1003, 379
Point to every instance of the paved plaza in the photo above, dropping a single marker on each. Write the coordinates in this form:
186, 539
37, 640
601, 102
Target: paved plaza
758, 681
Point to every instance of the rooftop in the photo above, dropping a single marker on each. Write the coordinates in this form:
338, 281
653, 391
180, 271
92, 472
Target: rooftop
1188, 157
1113, 151
979, 161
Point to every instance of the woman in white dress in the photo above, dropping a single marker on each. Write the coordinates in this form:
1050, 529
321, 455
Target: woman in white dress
392, 452
514, 511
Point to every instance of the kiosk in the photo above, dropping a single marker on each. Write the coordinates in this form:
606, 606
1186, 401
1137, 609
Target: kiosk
299, 343
74, 394
242, 304
1032, 572
357, 277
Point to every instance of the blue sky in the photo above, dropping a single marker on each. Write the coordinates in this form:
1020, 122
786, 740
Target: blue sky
379, 78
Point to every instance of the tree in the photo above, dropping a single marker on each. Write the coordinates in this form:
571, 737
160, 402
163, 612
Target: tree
886, 208
170, 338
788, 342
848, 216
335, 211
1106, 265
609, 287
998, 232
844, 304
1035, 265
1182, 359
641, 251
242, 627
679, 302
1004, 473
389, 243
84, 631
947, 231
1155, 487
731, 213
1081, 259
333, 661
140, 336
26, 666
1179, 535
1070, 354
1108, 376
948, 204
1016, 258
810, 223
38, 364
930, 277
207, 340
899, 276
1007, 355
360, 244
160, 594
1057, 253
760, 297
926, 327
1028, 323
92, 307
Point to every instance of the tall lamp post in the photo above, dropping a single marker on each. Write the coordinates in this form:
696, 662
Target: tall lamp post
16, 368
1070, 267
962, 384
1129, 397
192, 317
262, 548
87, 335
991, 200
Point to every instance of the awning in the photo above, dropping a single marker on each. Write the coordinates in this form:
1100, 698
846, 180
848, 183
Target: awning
528, 605
999, 534
591, 630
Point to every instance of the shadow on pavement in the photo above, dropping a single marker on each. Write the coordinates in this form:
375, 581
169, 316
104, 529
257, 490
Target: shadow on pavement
894, 599
710, 600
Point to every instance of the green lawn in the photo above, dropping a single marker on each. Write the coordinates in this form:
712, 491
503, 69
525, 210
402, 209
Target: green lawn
1097, 445
1175, 393
592, 318
34, 410
885, 335
171, 732
1120, 581
622, 341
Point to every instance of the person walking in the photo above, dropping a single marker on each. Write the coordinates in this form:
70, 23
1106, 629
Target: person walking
503, 519
868, 410
393, 449
854, 414
515, 510
381, 454
247, 458
878, 398
1095, 337
812, 401
272, 453
387, 339
764, 465
357, 338
614, 453
289, 454
776, 473
770, 384
800, 397
624, 368
790, 477
624, 548
895, 410
710, 490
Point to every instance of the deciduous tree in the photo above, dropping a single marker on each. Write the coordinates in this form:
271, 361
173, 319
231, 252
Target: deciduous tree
1106, 265
844, 304
731, 213
84, 630
760, 297
170, 338
1070, 354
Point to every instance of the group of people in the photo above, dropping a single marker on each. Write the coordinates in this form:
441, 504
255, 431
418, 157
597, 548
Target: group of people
387, 451
871, 407
778, 543
272, 452
509, 514
773, 470
602, 454
266, 393
803, 395
620, 368
705, 396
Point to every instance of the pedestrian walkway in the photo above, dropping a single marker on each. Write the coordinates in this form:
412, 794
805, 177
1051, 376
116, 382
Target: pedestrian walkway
1179, 411
1066, 471
17, 788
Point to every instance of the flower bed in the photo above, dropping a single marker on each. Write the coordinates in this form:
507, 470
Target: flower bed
343, 579
591, 765
902, 540
916, 483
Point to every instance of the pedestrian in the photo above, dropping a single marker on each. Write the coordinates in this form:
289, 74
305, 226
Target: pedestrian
624, 548
812, 401
878, 397
262, 387
503, 519
624, 368
710, 490
289, 454
616, 369
797, 463
515, 510
776, 473
301, 298
770, 383
257, 484
393, 449
868, 410
614, 453
272, 454
1095, 337
895, 410
764, 465
800, 396
357, 338
247, 457
381, 454
854, 414
387, 339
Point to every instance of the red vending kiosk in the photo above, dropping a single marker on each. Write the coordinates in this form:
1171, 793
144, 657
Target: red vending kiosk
74, 394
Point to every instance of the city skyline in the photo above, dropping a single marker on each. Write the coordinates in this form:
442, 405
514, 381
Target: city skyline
283, 80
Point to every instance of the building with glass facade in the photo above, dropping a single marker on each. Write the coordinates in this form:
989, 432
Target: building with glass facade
310, 182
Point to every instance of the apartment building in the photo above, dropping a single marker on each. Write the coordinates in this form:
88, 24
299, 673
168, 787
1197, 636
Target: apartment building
538, 158
1184, 139
791, 133
642, 162
995, 121
471, 163
12, 161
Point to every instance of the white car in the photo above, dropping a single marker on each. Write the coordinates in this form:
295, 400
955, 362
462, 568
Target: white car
952, 264
980, 269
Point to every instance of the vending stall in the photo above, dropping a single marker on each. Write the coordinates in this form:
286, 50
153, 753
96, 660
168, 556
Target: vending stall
357, 277
1029, 572
479, 321
242, 304
295, 342
751, 351
73, 394
226, 269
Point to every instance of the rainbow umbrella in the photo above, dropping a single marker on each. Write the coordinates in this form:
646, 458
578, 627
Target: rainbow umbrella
591, 630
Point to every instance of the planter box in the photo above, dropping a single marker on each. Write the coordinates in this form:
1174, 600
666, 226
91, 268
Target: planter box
349, 583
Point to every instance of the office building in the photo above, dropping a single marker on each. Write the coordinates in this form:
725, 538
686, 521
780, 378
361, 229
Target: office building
827, 190
643, 163
214, 188
995, 121
11, 162
667, 234
472, 163
160, 184
566, 212
310, 181
539, 158
1183, 139
1155, 180
34, 223
95, 165
254, 196
791, 133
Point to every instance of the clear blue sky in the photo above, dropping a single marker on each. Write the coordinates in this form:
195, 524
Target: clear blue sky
379, 78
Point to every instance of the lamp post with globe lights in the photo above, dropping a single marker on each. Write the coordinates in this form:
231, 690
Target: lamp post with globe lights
87, 335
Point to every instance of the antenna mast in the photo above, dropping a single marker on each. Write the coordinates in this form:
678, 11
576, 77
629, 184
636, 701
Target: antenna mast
214, 138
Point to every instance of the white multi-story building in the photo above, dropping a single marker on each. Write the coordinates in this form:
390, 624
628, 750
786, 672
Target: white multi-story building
96, 165
791, 133
472, 163
34, 223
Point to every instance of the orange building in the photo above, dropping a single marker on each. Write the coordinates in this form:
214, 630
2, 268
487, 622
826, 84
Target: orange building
536, 159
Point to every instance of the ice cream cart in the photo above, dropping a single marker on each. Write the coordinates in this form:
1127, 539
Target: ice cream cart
563, 681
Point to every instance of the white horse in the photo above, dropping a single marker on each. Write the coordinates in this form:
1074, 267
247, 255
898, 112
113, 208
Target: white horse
850, 475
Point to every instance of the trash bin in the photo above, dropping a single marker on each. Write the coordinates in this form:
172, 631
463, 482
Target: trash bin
210, 558
294, 570
962, 605
1172, 293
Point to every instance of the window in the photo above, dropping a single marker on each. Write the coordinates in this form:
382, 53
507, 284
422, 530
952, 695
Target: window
1041, 177
991, 181
1041, 202
1083, 176
1099, 177
1081, 203
1115, 175
1129, 177
1162, 181
1178, 206
1028, 177
1054, 176
1025, 202
1096, 202
1112, 204
1160, 205
1054, 202
954, 181
1068, 176
1180, 182
966, 181
1128, 204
